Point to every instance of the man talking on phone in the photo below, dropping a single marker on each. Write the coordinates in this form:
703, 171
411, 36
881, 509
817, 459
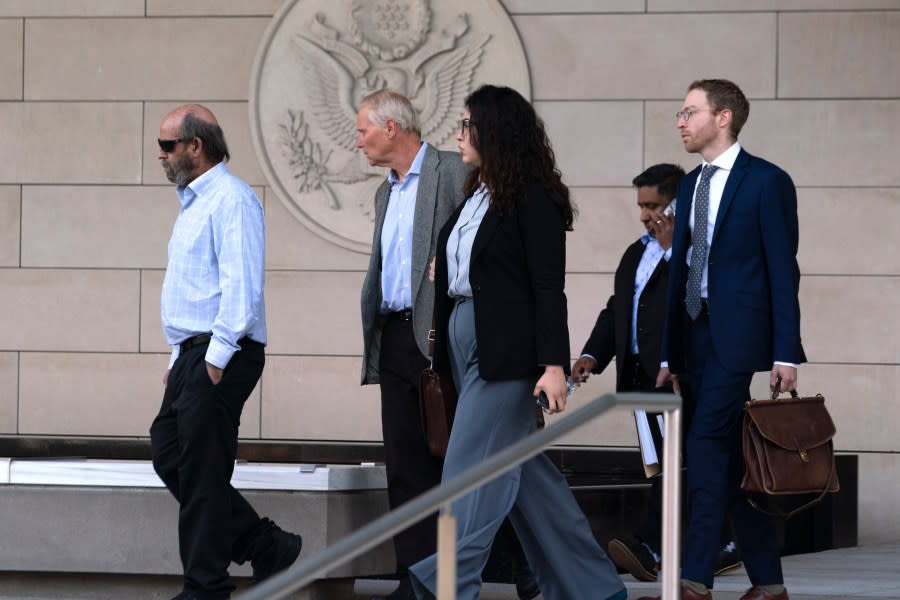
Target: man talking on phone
630, 329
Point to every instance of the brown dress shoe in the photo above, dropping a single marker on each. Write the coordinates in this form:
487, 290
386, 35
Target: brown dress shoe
757, 593
686, 594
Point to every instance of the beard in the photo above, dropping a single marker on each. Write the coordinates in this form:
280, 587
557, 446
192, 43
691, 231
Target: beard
179, 172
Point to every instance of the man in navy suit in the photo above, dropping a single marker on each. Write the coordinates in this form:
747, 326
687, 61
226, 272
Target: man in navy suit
733, 282
630, 329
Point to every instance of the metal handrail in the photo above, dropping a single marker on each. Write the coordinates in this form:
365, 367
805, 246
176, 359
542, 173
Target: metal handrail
383, 528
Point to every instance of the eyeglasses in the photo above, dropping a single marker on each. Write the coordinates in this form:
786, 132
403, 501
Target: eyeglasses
463, 125
688, 113
169, 145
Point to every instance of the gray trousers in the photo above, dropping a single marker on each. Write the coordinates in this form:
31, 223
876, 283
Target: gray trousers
561, 550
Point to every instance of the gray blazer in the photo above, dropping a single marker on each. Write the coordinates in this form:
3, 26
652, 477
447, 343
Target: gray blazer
440, 192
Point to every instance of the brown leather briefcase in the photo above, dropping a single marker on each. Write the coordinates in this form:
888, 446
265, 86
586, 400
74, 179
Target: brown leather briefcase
437, 403
437, 398
788, 448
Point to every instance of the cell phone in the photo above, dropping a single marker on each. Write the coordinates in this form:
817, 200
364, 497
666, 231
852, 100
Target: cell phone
669, 211
543, 401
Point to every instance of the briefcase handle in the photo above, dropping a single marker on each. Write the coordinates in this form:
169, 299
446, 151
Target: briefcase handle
775, 392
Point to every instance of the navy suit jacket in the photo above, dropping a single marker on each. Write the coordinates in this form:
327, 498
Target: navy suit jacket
753, 282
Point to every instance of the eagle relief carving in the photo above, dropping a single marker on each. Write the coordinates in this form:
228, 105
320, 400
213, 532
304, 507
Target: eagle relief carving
384, 51
336, 53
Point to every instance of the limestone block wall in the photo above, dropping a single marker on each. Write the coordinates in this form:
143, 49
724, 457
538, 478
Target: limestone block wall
85, 212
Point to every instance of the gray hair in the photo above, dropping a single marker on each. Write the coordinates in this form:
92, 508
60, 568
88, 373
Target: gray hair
387, 105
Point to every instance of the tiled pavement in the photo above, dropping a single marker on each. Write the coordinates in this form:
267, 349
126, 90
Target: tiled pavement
847, 573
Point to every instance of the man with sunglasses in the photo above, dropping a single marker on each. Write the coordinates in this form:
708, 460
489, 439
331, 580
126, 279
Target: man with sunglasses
213, 316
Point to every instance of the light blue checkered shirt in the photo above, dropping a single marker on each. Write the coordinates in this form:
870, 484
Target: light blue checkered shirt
214, 280
396, 238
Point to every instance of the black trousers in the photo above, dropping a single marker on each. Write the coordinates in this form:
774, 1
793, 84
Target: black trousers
194, 443
411, 469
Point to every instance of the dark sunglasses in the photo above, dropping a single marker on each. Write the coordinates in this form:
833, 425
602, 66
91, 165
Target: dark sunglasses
169, 145
463, 125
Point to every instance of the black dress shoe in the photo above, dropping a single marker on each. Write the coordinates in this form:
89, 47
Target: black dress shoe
526, 586
280, 553
634, 557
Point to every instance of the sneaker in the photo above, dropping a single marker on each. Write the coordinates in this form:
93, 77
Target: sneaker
634, 557
729, 558
282, 551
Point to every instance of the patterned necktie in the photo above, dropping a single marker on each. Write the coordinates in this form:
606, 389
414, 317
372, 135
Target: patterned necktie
699, 246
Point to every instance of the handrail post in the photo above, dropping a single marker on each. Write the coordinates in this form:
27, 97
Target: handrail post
671, 550
446, 554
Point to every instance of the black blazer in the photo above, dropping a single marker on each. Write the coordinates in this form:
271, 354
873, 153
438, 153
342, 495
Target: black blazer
517, 272
611, 336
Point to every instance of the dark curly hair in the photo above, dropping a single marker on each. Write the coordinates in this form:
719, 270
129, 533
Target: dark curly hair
515, 152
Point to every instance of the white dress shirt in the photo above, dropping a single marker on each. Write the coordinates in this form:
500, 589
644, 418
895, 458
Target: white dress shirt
725, 162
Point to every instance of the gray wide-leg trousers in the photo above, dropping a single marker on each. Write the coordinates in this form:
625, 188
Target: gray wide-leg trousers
557, 540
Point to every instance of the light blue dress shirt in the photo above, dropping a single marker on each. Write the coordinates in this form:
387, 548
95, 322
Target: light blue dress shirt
396, 238
459, 244
653, 253
216, 272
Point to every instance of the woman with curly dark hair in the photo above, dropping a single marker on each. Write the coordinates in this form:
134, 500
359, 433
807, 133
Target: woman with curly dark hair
501, 331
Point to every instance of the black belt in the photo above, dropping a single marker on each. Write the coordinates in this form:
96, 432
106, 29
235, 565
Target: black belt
197, 340
204, 339
400, 315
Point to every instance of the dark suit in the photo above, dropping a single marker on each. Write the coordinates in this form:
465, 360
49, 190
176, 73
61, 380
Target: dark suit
611, 336
753, 319
394, 350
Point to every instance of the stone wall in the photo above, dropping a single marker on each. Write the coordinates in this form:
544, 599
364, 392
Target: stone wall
85, 212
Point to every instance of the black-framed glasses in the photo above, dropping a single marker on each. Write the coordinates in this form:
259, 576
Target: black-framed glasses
463, 125
688, 113
169, 145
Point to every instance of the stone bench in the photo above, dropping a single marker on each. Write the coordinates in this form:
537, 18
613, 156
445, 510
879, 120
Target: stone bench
115, 517
105, 516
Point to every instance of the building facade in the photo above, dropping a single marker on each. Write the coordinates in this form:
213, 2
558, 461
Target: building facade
85, 210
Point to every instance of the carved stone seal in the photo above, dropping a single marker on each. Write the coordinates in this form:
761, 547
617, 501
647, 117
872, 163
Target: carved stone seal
319, 58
